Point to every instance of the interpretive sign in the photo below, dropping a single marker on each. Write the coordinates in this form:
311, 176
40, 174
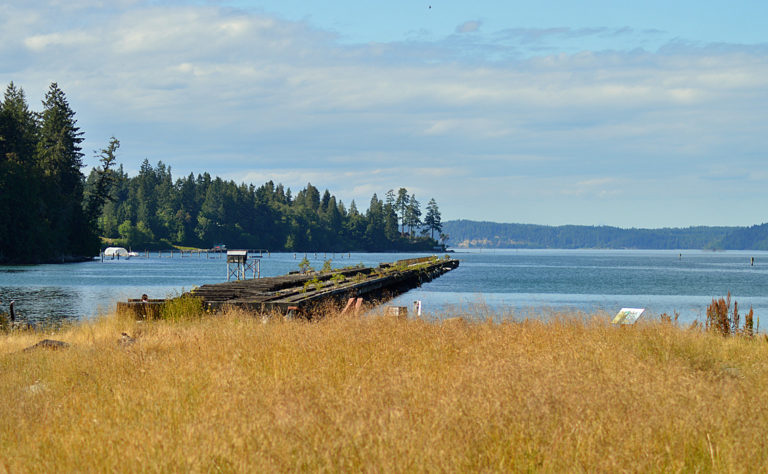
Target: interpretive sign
628, 316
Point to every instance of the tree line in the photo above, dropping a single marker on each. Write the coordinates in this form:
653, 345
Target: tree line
474, 234
50, 211
153, 210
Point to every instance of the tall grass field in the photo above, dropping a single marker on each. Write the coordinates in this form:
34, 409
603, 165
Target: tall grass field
238, 393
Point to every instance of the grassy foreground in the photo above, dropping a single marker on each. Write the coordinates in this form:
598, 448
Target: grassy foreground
233, 393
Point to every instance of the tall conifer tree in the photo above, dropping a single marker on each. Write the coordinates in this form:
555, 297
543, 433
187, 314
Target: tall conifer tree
401, 205
60, 159
412, 215
20, 230
433, 220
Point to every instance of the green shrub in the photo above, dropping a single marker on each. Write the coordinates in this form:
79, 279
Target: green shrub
315, 282
304, 265
182, 308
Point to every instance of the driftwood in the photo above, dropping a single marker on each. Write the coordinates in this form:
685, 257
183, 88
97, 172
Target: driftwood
51, 344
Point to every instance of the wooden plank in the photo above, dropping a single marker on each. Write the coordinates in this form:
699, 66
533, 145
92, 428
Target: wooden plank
280, 293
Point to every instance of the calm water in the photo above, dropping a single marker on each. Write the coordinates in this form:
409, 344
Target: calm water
519, 282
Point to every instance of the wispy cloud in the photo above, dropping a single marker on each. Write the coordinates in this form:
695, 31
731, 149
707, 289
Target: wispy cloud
469, 26
469, 119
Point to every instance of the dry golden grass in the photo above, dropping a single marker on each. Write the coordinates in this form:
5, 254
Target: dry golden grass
233, 393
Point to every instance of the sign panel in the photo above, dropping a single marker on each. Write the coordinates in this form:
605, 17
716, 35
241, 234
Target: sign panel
628, 315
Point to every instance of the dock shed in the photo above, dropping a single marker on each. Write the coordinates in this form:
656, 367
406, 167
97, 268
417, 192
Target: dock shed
238, 264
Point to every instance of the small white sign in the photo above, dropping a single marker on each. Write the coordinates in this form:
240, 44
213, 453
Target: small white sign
628, 316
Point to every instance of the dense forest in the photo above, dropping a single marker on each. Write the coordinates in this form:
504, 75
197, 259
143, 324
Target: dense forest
473, 234
49, 210
152, 209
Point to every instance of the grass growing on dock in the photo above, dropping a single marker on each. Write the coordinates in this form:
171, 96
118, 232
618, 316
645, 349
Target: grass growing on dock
236, 393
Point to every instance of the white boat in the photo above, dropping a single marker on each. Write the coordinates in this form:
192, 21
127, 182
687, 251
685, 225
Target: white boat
116, 252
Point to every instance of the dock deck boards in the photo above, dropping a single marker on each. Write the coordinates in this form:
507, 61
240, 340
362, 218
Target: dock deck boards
303, 291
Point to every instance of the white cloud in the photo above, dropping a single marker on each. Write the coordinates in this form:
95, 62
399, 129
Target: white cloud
597, 187
253, 97
38, 43
469, 26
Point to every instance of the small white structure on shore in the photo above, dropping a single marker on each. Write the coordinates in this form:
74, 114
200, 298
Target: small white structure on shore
116, 252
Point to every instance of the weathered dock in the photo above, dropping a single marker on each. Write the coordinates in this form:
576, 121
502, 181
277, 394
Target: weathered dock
299, 292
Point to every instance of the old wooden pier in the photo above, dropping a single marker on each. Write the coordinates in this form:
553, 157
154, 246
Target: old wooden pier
300, 293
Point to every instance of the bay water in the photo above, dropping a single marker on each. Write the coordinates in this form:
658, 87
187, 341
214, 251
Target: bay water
506, 283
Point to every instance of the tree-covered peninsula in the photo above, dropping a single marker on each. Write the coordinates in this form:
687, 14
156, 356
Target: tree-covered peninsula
50, 211
153, 210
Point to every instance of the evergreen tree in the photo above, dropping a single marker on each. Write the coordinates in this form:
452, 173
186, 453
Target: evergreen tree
210, 221
390, 221
325, 201
60, 159
356, 225
412, 214
113, 212
401, 205
308, 198
21, 230
374, 231
390, 198
100, 189
433, 220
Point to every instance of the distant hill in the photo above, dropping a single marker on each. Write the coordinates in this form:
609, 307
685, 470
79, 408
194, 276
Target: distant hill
747, 238
474, 234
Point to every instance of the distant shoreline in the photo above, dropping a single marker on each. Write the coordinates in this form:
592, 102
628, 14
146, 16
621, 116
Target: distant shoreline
482, 234
51, 261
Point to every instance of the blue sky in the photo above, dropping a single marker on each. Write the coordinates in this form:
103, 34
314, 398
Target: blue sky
636, 114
